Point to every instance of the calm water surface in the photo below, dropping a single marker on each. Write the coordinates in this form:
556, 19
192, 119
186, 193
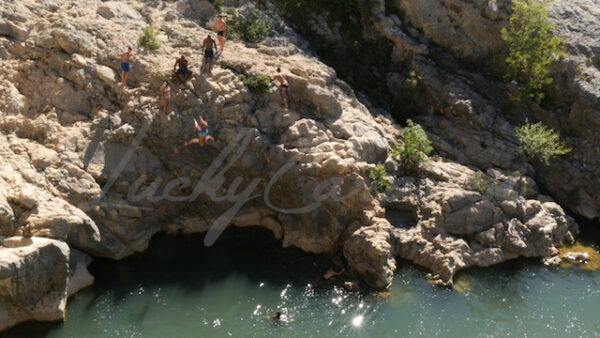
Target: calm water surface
181, 289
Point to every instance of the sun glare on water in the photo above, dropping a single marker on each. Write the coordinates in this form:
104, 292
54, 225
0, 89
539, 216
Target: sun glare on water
357, 321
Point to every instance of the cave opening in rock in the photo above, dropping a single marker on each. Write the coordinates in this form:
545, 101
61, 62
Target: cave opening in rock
399, 218
249, 251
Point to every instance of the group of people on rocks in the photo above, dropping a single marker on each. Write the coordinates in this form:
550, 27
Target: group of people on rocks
181, 71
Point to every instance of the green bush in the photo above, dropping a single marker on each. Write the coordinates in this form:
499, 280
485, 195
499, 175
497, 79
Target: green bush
230, 11
219, 6
148, 39
531, 47
540, 141
479, 183
415, 149
257, 84
254, 28
377, 178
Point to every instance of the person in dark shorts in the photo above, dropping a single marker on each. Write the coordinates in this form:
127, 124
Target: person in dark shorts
221, 28
202, 132
208, 47
181, 70
284, 87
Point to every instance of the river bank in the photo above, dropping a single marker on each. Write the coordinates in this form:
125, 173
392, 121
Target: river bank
178, 287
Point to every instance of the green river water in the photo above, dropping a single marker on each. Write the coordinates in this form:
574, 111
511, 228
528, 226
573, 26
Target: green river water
179, 288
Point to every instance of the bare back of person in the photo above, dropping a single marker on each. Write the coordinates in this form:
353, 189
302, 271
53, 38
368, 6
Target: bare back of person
282, 78
208, 43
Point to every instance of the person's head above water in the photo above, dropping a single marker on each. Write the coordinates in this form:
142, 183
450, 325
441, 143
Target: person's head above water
278, 314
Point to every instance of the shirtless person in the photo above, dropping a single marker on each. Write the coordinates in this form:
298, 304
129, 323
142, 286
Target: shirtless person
284, 87
221, 28
279, 317
181, 69
202, 132
207, 47
125, 68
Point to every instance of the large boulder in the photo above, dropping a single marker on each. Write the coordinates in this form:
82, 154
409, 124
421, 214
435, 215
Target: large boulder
33, 280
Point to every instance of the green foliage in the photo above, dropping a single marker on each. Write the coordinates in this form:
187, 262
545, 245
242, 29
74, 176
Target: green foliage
413, 80
254, 28
219, 6
230, 11
148, 39
415, 149
531, 47
479, 183
257, 84
540, 141
377, 177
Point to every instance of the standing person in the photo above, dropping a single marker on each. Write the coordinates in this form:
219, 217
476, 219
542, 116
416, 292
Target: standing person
181, 69
209, 54
221, 28
284, 87
166, 96
125, 67
202, 131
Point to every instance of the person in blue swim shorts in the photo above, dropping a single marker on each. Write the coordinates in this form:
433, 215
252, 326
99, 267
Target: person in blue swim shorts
125, 67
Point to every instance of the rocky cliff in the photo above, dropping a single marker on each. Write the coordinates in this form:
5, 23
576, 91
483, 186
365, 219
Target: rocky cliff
454, 50
92, 168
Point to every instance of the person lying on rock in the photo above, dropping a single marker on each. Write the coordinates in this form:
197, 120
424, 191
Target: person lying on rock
284, 87
209, 53
221, 28
181, 70
166, 96
125, 67
202, 131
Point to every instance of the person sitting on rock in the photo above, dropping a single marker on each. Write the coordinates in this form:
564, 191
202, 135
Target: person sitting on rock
221, 28
202, 131
166, 96
284, 87
125, 67
209, 53
180, 69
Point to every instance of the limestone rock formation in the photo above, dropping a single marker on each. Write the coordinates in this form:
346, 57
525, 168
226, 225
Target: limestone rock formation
455, 52
36, 276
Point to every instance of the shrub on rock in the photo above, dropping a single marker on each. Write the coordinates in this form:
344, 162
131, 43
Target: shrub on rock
257, 84
413, 153
253, 28
532, 48
148, 39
